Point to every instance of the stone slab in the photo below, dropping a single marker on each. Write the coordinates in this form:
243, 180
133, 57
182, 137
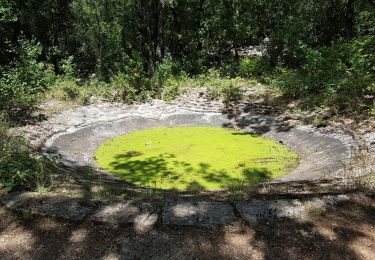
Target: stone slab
141, 214
48, 205
197, 213
258, 211
144, 216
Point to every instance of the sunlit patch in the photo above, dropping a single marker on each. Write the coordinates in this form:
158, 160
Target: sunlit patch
194, 158
78, 236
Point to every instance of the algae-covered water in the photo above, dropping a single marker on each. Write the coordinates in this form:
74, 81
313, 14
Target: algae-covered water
190, 158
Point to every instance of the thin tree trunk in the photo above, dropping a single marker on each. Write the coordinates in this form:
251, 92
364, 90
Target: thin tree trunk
147, 32
349, 18
160, 30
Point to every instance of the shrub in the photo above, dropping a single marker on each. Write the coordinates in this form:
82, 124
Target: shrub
20, 169
24, 81
67, 67
170, 92
83, 91
161, 75
252, 66
125, 91
70, 90
231, 93
342, 75
213, 94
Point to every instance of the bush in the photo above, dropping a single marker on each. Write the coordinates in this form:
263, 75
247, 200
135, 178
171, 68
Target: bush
231, 93
252, 67
125, 91
170, 92
24, 81
67, 67
342, 75
228, 93
162, 73
70, 90
20, 169
213, 94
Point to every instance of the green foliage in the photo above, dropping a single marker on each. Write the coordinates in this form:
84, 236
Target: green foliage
231, 93
67, 67
128, 88
71, 91
82, 92
96, 33
319, 122
127, 93
214, 94
161, 75
7, 13
24, 81
253, 67
20, 169
342, 75
170, 92
150, 44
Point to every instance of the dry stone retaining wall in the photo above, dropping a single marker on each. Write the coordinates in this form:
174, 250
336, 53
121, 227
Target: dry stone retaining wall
144, 215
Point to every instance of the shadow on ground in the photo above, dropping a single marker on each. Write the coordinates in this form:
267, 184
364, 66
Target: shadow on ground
259, 122
344, 233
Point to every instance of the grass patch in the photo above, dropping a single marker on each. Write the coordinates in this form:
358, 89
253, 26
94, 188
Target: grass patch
197, 158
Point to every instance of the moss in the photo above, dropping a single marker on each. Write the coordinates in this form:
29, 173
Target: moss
187, 158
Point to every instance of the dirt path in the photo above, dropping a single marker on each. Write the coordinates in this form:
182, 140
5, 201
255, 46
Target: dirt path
347, 232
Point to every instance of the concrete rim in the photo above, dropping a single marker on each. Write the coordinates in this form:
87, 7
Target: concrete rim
322, 155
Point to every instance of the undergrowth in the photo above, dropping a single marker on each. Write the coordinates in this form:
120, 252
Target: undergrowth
340, 77
120, 88
20, 168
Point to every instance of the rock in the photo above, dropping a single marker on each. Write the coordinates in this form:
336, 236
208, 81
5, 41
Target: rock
258, 211
264, 211
144, 215
141, 214
48, 205
197, 213
144, 222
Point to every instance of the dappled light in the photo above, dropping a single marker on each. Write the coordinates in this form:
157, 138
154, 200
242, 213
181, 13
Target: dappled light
187, 129
330, 234
194, 158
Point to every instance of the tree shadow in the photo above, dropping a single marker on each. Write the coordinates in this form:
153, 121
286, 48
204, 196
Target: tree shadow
153, 170
340, 233
330, 234
255, 118
26, 116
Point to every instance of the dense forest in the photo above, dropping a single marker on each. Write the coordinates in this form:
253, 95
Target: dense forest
323, 50
187, 129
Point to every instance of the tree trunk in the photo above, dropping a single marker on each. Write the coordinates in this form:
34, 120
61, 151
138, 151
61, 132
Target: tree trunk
349, 18
147, 39
160, 29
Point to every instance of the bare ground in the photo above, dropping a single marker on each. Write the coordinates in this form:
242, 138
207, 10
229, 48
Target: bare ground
347, 232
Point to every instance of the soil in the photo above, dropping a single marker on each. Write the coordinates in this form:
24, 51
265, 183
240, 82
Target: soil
343, 233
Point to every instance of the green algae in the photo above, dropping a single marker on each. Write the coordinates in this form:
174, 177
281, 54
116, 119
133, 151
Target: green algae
187, 158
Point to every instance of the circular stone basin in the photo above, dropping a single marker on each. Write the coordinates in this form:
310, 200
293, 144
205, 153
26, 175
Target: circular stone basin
194, 158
